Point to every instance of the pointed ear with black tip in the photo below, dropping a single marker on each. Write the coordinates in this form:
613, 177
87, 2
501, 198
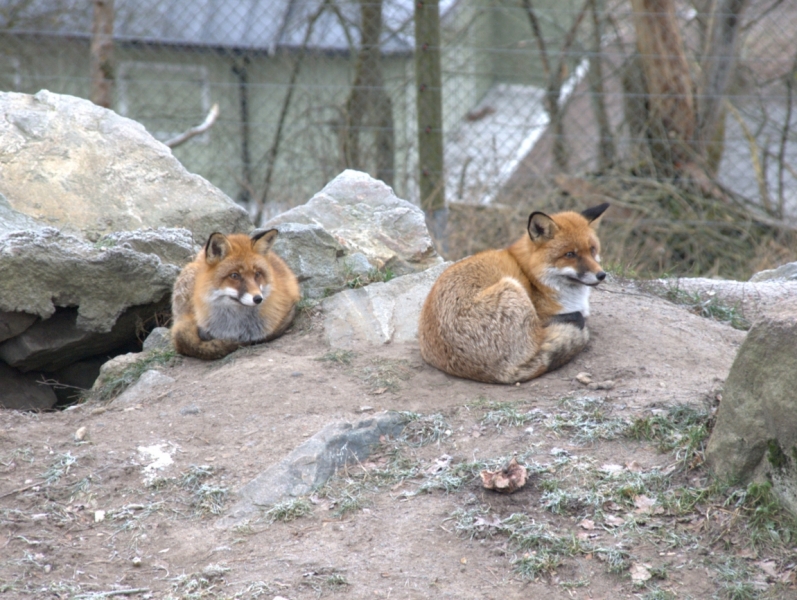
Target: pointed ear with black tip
541, 227
262, 241
593, 215
216, 248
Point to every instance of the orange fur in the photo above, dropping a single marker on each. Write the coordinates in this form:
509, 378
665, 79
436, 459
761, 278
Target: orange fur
510, 315
235, 292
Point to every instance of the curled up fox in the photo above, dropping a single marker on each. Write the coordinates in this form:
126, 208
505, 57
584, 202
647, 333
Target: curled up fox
236, 292
504, 316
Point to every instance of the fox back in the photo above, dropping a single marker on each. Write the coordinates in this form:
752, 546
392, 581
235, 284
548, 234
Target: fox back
235, 292
510, 315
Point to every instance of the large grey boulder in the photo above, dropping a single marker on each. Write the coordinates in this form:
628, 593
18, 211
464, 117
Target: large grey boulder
379, 313
755, 436
81, 168
44, 269
312, 463
354, 226
96, 220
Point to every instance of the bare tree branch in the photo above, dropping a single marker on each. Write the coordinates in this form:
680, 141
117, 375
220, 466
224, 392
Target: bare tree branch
213, 114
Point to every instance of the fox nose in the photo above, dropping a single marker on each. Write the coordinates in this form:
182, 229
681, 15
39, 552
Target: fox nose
600, 275
257, 299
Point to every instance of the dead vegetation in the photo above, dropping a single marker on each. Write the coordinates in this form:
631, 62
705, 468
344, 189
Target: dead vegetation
654, 227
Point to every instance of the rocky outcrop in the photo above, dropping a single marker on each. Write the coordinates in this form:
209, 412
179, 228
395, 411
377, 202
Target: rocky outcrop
755, 436
312, 463
354, 227
379, 313
70, 164
96, 220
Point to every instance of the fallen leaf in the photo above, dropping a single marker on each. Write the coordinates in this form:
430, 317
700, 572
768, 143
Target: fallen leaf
612, 470
639, 573
614, 521
769, 567
587, 524
643, 504
633, 466
509, 479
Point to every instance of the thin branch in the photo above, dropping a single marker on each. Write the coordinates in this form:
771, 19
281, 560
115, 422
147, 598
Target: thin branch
194, 131
271, 157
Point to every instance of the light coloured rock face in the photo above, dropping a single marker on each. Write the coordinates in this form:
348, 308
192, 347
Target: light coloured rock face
755, 436
46, 268
356, 224
783, 272
81, 168
379, 313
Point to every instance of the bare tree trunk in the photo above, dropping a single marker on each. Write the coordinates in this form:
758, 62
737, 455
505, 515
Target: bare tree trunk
671, 107
718, 64
606, 147
430, 113
102, 68
368, 107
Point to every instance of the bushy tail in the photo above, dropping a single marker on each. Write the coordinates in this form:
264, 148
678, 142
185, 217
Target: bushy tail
186, 340
562, 340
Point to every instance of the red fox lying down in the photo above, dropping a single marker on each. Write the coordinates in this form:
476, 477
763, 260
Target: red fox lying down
235, 292
503, 316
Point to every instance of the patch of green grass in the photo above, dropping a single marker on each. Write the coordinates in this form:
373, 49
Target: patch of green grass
111, 387
375, 275
422, 430
506, 414
288, 510
585, 420
59, 467
681, 428
340, 357
768, 522
710, 307
385, 374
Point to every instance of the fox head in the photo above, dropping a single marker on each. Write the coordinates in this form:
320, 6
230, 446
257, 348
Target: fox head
237, 266
568, 247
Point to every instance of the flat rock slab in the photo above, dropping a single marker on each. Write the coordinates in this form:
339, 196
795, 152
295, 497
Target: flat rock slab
379, 313
310, 465
753, 299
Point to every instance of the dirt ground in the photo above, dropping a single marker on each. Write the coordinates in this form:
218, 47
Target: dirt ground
95, 518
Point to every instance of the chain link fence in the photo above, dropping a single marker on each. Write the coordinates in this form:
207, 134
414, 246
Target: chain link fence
536, 95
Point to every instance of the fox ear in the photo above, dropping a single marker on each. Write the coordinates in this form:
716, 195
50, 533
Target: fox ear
263, 240
216, 248
592, 215
541, 227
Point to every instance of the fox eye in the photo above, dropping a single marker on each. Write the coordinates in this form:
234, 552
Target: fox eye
570, 254
593, 250
258, 274
235, 276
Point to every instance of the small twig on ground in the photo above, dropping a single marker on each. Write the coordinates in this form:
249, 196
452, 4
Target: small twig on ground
129, 592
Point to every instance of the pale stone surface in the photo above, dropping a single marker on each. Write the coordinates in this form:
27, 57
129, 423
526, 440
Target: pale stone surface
378, 313
14, 323
312, 463
76, 166
149, 381
787, 271
755, 436
354, 225
752, 299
